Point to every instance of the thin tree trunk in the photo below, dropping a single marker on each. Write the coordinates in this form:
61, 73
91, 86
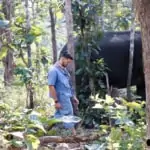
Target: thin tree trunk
28, 26
102, 15
7, 6
70, 45
53, 33
111, 15
143, 11
8, 74
131, 57
36, 43
91, 80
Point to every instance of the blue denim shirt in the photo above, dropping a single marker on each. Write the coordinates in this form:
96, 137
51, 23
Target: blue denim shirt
59, 77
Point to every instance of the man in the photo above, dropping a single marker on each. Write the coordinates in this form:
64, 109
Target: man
60, 88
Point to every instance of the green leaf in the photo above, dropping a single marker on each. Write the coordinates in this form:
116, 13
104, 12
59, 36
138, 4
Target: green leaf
104, 128
116, 145
134, 105
20, 20
3, 52
115, 134
120, 106
17, 143
18, 128
109, 100
52, 132
36, 31
59, 15
88, 70
98, 106
119, 13
33, 141
79, 71
52, 122
29, 38
38, 126
4, 106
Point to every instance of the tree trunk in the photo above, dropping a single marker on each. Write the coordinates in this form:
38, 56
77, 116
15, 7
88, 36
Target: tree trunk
143, 11
7, 6
70, 46
102, 15
53, 33
131, 57
28, 26
8, 63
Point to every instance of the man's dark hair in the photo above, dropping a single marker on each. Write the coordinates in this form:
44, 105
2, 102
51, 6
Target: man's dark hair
65, 54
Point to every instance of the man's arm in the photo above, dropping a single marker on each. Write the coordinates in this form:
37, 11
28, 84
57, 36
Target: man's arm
52, 78
52, 92
53, 95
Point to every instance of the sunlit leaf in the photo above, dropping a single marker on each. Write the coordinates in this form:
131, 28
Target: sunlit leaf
59, 15
116, 145
105, 126
36, 31
115, 134
18, 128
3, 52
109, 99
134, 105
98, 106
119, 13
51, 122
32, 140
120, 106
20, 20
4, 106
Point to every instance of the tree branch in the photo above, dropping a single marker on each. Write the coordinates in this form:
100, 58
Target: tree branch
70, 139
22, 57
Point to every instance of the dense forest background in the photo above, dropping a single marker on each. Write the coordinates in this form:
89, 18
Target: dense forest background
32, 33
30, 37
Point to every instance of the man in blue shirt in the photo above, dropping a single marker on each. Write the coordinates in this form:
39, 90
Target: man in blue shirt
60, 88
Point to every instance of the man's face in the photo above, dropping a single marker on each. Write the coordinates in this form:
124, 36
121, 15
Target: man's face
66, 61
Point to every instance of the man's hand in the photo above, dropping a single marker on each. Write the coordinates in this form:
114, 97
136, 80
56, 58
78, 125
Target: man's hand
76, 100
58, 105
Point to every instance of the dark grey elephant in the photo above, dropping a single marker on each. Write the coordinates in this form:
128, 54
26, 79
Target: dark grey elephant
115, 51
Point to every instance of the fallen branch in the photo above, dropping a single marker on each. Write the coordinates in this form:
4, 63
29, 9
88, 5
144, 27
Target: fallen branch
69, 139
56, 139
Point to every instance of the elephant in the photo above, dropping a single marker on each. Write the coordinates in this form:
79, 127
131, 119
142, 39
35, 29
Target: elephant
114, 49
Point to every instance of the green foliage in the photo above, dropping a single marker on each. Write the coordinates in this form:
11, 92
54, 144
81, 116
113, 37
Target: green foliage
32, 142
129, 128
126, 127
30, 123
3, 52
84, 15
89, 73
24, 73
89, 17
